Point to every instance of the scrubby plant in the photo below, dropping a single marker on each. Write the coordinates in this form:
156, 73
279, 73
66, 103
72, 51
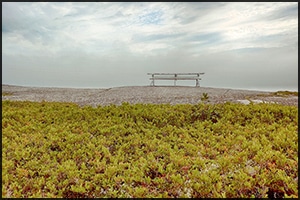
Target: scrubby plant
285, 93
204, 97
7, 93
279, 93
61, 150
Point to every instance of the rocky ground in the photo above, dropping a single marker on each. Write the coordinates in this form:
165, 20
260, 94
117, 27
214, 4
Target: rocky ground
141, 94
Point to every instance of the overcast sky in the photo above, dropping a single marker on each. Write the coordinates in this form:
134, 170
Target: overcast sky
244, 45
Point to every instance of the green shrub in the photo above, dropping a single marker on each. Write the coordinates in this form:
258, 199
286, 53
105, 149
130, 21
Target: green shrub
61, 150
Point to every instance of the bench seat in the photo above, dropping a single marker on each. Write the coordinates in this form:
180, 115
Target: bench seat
176, 78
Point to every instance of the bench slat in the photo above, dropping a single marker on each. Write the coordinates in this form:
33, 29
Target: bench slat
175, 78
174, 73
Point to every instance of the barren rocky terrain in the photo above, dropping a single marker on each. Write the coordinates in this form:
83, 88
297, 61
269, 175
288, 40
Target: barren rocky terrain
141, 94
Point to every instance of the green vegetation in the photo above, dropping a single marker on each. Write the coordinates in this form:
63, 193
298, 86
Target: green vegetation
280, 94
7, 93
204, 97
285, 93
144, 150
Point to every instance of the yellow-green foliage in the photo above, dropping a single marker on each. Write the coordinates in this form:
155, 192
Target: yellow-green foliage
7, 93
143, 150
279, 94
285, 93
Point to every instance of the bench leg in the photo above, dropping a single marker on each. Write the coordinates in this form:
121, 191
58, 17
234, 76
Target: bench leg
197, 83
152, 83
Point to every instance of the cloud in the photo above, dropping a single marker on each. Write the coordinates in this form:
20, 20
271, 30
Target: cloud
75, 24
81, 39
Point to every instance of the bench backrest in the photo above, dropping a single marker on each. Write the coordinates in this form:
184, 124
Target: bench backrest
175, 74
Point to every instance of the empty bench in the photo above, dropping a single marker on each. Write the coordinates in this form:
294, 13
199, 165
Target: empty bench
175, 77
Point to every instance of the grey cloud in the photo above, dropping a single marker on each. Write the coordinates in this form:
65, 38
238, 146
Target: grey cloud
13, 17
188, 20
206, 38
287, 37
55, 57
285, 13
199, 9
25, 23
271, 11
155, 37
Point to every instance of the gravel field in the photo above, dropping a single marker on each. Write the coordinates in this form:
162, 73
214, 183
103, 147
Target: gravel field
140, 94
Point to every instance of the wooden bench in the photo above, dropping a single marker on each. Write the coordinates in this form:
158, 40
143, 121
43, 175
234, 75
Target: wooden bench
175, 77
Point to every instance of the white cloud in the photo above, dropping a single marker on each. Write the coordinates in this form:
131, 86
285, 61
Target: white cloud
75, 24
140, 33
